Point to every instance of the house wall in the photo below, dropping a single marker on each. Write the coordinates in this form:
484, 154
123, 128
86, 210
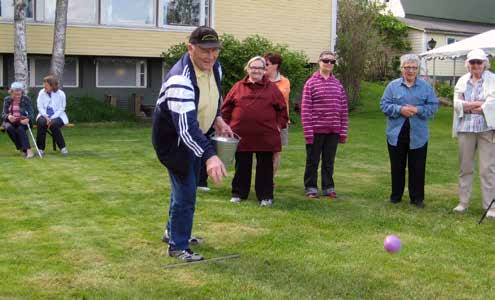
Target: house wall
302, 25
441, 68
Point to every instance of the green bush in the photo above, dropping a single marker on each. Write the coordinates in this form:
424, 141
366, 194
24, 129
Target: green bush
88, 109
236, 53
443, 89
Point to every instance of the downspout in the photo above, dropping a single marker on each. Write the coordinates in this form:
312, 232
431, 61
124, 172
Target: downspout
333, 36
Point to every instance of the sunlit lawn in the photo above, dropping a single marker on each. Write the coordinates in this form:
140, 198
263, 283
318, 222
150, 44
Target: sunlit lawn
89, 225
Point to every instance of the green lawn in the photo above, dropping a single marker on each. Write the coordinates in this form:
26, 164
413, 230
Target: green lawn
88, 226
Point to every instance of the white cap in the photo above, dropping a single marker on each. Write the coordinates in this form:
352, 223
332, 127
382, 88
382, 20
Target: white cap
477, 54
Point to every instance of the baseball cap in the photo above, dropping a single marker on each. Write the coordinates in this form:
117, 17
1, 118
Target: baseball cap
17, 86
205, 37
476, 54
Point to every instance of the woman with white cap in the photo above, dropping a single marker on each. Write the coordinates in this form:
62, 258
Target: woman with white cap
474, 126
16, 115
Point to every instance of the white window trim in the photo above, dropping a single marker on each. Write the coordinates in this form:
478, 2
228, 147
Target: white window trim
138, 79
450, 37
1, 70
40, 14
12, 18
103, 14
185, 28
32, 72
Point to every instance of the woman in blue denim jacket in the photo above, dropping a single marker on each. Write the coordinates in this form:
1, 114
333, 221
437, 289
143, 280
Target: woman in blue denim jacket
408, 102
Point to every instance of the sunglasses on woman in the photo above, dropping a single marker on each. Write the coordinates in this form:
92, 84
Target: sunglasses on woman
328, 61
476, 62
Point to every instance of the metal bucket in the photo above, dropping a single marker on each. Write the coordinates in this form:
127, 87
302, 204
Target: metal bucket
226, 148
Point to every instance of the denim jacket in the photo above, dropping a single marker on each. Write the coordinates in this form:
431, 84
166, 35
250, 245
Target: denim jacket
398, 94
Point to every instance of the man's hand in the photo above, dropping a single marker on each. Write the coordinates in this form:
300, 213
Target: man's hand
215, 169
408, 110
221, 128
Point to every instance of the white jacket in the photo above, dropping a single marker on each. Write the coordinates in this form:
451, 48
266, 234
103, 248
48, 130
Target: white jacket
488, 95
56, 101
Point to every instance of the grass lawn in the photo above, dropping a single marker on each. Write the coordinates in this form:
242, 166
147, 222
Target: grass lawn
88, 226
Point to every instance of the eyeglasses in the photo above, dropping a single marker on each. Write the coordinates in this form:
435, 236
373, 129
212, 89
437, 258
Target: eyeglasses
328, 61
410, 68
257, 68
475, 62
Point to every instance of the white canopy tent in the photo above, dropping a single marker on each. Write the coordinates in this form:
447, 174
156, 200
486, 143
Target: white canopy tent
485, 41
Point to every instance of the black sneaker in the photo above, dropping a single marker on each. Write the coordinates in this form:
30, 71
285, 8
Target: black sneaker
186, 255
192, 241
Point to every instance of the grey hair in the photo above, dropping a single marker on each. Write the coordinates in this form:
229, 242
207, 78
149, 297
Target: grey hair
260, 58
326, 52
486, 64
409, 58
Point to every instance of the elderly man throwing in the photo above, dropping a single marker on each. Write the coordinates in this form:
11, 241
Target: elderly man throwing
187, 109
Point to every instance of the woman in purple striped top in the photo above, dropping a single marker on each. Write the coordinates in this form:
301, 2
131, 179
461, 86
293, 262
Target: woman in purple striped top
324, 120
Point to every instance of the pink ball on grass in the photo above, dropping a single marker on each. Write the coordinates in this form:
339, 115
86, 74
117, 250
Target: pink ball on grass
392, 244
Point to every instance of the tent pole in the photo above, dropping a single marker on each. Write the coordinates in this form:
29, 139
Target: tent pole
453, 75
434, 73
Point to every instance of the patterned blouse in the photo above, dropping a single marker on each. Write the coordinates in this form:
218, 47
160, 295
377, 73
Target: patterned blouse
474, 123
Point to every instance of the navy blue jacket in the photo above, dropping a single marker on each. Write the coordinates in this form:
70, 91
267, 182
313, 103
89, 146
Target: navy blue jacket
176, 131
25, 108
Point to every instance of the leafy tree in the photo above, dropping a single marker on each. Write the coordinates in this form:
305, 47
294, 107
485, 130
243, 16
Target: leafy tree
59, 32
235, 54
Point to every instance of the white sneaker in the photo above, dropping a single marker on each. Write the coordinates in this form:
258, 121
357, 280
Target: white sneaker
490, 213
64, 151
204, 188
460, 208
235, 200
29, 154
267, 202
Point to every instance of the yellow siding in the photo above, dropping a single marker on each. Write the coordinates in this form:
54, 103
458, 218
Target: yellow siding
416, 40
302, 25
99, 41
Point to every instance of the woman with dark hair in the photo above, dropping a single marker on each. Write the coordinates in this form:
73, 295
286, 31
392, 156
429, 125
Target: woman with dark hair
16, 115
51, 107
273, 63
255, 109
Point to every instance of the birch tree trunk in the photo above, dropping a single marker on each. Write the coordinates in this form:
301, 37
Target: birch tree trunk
20, 50
59, 30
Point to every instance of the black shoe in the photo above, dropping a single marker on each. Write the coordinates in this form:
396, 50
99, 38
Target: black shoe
420, 204
395, 201
186, 255
192, 241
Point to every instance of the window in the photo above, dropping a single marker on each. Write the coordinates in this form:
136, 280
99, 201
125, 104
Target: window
82, 12
39, 67
7, 9
128, 12
451, 40
185, 12
1, 70
121, 73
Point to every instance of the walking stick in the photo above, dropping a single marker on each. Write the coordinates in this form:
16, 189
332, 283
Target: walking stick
34, 141
486, 211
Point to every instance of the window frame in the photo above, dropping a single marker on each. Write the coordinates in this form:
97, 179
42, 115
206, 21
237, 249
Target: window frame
102, 13
40, 14
1, 71
138, 73
453, 38
187, 28
32, 72
33, 2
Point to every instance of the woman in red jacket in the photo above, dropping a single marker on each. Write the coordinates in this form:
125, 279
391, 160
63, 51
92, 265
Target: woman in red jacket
255, 109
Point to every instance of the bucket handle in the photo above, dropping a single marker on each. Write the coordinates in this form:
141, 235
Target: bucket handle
234, 134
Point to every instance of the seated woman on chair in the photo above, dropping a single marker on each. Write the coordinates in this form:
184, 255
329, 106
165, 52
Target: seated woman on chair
16, 115
51, 108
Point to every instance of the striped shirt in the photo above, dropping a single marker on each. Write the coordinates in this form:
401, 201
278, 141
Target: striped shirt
324, 107
474, 123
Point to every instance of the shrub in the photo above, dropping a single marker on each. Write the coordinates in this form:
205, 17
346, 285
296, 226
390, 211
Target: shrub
236, 53
443, 89
88, 109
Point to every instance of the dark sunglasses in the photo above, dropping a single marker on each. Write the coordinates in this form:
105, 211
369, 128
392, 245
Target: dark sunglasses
476, 62
328, 61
